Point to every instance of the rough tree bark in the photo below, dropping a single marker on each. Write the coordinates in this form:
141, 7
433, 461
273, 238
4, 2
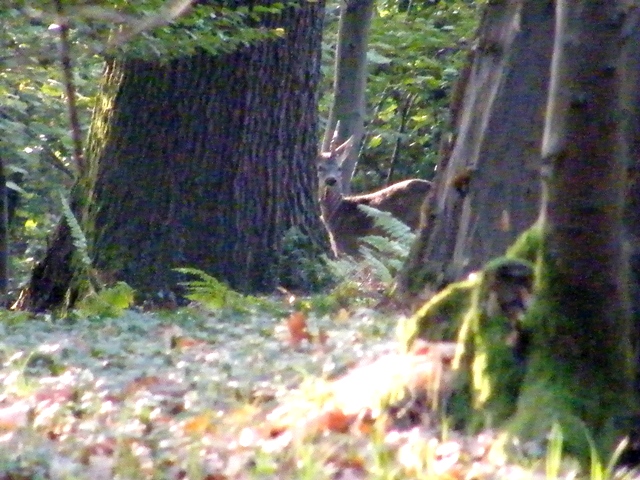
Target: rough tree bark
580, 369
348, 106
630, 149
487, 186
202, 162
567, 359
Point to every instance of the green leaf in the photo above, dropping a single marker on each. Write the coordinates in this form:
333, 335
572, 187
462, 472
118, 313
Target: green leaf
110, 302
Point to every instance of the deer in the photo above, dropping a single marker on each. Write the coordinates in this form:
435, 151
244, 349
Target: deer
345, 222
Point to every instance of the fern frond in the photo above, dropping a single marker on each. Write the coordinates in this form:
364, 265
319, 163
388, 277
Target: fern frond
208, 290
389, 224
381, 256
386, 246
108, 303
216, 295
77, 235
342, 267
379, 269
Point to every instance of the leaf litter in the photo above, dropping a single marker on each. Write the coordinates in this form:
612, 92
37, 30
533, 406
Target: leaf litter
196, 395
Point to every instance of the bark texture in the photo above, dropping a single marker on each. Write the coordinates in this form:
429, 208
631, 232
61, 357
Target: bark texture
214, 163
348, 105
206, 161
487, 185
580, 367
630, 149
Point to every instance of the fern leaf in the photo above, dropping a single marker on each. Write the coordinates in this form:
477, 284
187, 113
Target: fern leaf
386, 246
216, 295
77, 235
380, 270
393, 227
108, 303
208, 290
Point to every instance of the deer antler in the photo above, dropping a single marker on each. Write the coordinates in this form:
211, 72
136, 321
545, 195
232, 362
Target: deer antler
334, 140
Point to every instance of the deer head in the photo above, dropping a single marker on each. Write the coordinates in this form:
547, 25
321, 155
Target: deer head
329, 163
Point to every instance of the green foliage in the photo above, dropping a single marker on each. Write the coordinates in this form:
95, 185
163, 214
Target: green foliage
600, 470
415, 55
14, 317
344, 295
382, 257
391, 226
216, 295
36, 146
79, 239
214, 28
151, 29
554, 452
109, 302
300, 265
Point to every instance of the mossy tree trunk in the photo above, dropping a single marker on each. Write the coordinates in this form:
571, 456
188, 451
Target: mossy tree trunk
580, 369
487, 185
204, 162
572, 355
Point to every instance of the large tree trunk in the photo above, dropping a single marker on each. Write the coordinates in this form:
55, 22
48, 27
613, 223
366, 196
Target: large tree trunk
206, 161
630, 146
487, 186
348, 106
580, 365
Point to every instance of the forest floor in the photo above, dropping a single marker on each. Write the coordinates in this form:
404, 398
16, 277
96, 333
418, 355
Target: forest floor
228, 394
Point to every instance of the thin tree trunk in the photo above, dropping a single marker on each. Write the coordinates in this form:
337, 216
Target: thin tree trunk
4, 236
630, 149
348, 105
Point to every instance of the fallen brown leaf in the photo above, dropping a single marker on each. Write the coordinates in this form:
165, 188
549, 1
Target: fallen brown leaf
298, 330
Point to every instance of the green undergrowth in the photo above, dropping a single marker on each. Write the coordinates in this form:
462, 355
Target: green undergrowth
381, 256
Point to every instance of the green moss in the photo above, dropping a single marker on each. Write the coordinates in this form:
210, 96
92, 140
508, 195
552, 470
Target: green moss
585, 414
528, 245
467, 312
441, 317
551, 383
542, 406
581, 393
486, 349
